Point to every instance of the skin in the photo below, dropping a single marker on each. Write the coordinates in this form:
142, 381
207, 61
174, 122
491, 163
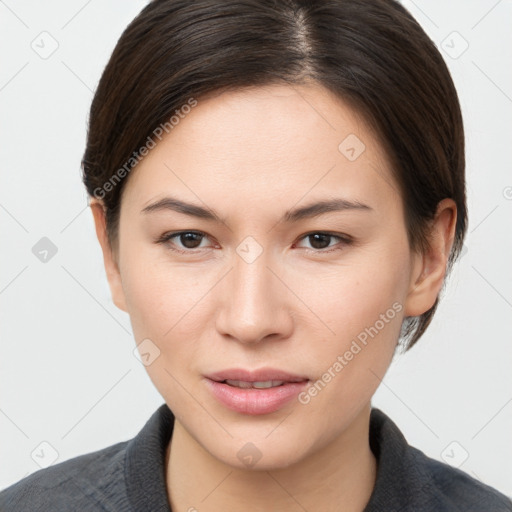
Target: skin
250, 156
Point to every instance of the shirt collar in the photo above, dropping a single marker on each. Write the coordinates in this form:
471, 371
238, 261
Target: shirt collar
145, 463
401, 481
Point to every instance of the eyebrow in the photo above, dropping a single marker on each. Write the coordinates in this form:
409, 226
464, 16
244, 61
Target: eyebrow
294, 215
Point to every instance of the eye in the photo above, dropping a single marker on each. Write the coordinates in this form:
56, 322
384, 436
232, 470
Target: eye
184, 241
188, 241
320, 241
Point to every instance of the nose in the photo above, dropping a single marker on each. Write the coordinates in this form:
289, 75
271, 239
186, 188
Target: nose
255, 303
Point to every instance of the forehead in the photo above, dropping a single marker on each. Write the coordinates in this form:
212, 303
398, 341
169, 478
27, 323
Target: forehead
271, 143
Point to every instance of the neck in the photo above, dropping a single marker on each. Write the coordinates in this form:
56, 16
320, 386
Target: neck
342, 472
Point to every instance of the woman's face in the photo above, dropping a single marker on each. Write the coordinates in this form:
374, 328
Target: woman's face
296, 271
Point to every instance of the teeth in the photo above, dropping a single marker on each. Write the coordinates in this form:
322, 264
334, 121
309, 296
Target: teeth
239, 384
258, 385
267, 384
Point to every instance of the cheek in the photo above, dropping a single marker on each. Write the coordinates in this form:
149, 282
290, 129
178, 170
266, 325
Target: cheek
166, 301
158, 294
148, 302
172, 306
353, 297
364, 305
164, 304
175, 305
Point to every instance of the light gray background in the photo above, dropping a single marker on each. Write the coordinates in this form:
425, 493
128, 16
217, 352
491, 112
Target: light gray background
68, 376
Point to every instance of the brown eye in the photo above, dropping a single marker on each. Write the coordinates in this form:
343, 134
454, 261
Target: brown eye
183, 241
320, 241
190, 240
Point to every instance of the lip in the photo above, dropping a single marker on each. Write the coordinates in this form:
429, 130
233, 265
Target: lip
255, 401
262, 374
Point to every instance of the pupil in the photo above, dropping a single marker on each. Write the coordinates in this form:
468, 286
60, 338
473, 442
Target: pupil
318, 241
189, 240
192, 240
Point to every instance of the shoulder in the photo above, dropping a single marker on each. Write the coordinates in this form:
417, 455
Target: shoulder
89, 482
454, 489
407, 479
123, 477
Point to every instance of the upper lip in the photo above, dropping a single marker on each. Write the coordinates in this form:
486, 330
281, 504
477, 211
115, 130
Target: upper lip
260, 375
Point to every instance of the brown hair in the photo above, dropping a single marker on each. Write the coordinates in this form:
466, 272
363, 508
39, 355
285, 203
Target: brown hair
371, 53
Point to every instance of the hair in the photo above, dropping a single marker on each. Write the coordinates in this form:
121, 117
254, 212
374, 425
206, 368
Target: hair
371, 54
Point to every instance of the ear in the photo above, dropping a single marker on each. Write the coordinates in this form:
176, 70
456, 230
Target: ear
109, 258
429, 268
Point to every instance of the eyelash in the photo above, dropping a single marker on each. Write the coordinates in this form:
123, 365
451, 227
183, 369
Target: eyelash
344, 240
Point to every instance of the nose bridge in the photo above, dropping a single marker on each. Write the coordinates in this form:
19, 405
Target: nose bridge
254, 303
251, 284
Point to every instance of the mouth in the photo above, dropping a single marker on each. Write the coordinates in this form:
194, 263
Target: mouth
264, 384
262, 375
255, 392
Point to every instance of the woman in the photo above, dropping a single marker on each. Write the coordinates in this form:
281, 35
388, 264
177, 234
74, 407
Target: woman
278, 191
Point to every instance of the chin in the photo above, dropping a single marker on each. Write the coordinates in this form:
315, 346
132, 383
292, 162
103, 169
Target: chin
263, 452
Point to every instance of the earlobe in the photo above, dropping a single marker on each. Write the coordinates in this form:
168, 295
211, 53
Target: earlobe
429, 268
109, 259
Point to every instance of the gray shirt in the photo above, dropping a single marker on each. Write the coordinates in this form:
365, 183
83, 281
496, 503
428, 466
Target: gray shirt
130, 477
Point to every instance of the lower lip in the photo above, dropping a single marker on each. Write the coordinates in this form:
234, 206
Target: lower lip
255, 401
